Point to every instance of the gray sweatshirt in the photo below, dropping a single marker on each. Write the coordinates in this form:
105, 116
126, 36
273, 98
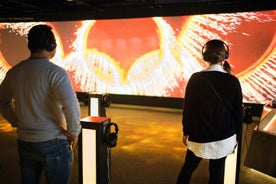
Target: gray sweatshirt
45, 103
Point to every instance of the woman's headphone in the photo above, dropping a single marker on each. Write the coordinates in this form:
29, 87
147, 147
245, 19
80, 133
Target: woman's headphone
111, 137
215, 50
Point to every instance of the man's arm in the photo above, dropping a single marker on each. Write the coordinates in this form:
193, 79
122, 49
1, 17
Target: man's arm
65, 94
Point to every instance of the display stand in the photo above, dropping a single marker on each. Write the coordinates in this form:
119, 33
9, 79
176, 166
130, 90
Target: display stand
94, 148
97, 104
94, 158
262, 148
232, 164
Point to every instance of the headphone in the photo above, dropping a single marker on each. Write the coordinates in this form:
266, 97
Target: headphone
247, 116
209, 48
41, 37
50, 45
111, 137
106, 101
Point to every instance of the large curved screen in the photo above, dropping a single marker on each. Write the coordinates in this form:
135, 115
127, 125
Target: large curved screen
154, 56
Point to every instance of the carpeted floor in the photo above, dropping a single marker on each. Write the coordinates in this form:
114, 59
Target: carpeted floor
149, 150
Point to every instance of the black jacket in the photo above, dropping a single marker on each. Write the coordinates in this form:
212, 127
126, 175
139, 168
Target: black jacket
212, 107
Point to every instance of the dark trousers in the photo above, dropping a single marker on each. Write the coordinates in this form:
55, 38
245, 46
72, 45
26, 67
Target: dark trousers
216, 169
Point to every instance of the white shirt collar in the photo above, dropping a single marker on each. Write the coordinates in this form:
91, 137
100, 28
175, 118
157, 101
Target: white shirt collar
215, 67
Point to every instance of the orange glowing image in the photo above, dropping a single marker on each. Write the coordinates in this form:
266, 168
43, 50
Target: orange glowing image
154, 56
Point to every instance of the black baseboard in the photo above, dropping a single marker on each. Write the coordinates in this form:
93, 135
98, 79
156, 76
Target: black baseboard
150, 101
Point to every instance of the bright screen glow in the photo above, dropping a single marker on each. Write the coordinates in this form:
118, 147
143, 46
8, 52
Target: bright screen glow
154, 56
89, 156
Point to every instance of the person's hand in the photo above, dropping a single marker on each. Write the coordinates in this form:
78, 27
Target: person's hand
184, 139
73, 140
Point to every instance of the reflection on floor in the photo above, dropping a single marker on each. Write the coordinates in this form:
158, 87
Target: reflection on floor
149, 150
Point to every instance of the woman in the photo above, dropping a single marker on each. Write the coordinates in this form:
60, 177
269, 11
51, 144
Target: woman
212, 114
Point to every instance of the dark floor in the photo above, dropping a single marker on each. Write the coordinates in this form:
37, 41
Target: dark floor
149, 150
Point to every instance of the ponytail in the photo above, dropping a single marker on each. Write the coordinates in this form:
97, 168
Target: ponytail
226, 66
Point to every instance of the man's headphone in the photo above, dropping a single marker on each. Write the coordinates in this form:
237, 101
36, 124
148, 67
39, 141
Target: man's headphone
111, 137
50, 45
41, 37
211, 50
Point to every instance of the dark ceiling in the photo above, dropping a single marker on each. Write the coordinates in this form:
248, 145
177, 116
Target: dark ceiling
58, 10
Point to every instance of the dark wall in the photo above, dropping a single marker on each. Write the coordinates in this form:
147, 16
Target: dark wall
165, 102
60, 10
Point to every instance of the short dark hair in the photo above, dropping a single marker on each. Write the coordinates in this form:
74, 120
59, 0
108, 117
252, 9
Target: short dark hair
41, 37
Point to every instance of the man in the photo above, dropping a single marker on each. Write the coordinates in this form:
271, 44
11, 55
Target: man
37, 97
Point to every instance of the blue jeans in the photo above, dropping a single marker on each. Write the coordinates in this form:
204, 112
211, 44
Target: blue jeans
54, 158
